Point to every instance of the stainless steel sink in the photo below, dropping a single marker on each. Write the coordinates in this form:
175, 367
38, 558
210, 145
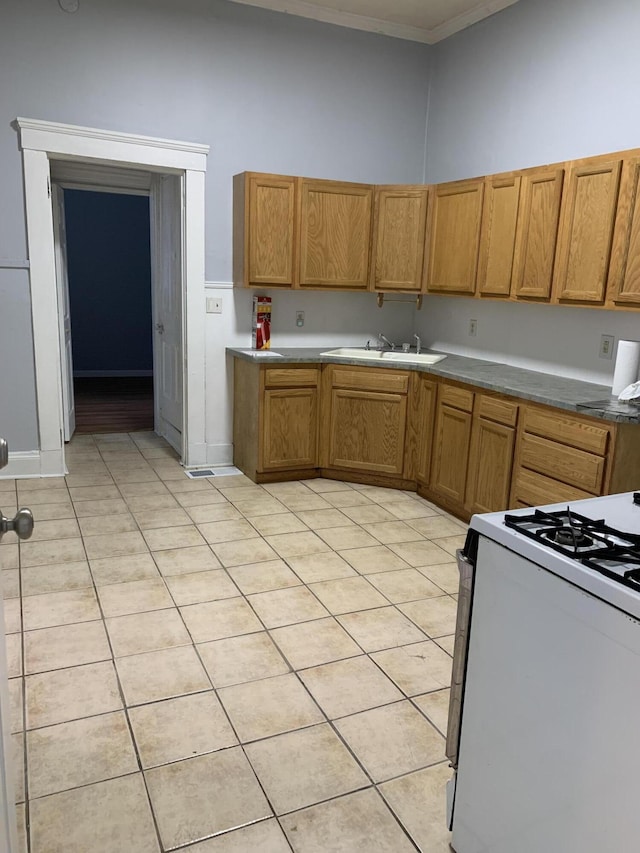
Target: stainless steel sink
385, 355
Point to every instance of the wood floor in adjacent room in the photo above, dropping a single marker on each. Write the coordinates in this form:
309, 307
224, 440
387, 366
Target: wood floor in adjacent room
114, 404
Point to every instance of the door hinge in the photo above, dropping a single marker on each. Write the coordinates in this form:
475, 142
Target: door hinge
48, 187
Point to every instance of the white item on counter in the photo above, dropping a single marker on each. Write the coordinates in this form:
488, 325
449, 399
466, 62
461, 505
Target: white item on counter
631, 392
627, 365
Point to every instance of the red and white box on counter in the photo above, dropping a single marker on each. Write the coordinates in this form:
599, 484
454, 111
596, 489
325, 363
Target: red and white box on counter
261, 322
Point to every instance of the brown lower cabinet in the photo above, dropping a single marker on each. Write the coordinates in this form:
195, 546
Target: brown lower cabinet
451, 453
290, 428
365, 420
469, 451
275, 425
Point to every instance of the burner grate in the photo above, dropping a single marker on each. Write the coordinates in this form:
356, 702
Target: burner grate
590, 541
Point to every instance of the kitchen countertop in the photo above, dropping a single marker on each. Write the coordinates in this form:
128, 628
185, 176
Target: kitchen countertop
571, 394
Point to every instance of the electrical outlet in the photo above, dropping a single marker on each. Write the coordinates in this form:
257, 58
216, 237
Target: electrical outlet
214, 306
606, 346
473, 328
300, 318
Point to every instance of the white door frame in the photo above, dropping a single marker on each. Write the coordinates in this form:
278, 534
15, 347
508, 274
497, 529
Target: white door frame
40, 140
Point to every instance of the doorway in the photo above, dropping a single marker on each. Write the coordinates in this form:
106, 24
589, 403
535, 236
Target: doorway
111, 301
109, 272
176, 171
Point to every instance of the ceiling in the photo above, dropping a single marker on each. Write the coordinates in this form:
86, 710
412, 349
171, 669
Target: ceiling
426, 21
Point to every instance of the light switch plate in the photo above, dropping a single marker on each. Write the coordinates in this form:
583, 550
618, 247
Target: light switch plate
214, 306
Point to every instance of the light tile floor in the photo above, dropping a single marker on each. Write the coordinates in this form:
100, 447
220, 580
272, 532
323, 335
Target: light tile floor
221, 667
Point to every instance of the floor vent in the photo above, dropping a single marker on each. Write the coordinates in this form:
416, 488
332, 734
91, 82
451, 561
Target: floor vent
225, 471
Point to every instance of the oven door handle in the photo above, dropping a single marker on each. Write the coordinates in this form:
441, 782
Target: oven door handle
466, 566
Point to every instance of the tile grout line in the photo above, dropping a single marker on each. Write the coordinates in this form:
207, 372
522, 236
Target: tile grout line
267, 631
126, 712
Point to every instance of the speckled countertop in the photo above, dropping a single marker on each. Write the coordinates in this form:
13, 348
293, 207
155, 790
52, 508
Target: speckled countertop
571, 394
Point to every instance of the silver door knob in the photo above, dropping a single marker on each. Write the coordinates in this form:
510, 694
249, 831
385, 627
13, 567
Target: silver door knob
21, 524
160, 328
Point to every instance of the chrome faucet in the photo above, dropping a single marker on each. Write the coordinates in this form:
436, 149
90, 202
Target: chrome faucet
383, 340
418, 344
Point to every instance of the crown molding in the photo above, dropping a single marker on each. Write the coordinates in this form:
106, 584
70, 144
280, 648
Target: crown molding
304, 9
466, 19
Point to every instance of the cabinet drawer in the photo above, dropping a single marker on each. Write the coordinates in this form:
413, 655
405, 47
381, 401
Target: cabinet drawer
291, 377
531, 489
370, 380
584, 470
568, 430
459, 398
502, 411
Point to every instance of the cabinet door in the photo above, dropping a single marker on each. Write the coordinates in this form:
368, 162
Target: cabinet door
624, 270
498, 236
335, 231
367, 431
427, 394
451, 453
586, 229
455, 236
399, 224
290, 429
537, 233
490, 464
264, 230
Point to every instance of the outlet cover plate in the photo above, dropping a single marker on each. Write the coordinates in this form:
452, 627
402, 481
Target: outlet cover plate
606, 346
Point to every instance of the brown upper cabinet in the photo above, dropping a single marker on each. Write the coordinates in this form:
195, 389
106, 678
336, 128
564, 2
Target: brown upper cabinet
455, 237
537, 232
624, 270
264, 218
335, 229
399, 238
586, 229
567, 233
498, 235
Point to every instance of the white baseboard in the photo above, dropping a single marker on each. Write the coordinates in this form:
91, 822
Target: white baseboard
219, 454
34, 463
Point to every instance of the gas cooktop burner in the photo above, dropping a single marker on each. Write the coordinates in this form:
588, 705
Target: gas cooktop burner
590, 541
567, 535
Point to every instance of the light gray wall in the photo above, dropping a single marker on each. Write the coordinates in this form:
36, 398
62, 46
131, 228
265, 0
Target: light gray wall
267, 92
542, 81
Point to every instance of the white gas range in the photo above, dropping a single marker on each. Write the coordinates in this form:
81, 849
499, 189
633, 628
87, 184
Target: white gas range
546, 681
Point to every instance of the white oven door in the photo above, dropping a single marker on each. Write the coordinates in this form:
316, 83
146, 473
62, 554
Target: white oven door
549, 736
